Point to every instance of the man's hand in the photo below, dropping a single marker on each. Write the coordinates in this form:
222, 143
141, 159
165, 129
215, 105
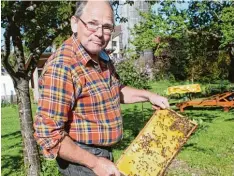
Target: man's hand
104, 167
158, 102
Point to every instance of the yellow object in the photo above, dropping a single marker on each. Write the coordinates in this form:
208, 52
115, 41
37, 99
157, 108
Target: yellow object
184, 89
156, 145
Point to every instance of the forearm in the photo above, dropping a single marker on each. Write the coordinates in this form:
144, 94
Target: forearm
132, 95
73, 153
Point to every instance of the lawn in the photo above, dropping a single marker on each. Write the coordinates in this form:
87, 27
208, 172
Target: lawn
210, 150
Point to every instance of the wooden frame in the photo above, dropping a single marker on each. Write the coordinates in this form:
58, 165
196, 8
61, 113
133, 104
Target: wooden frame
225, 100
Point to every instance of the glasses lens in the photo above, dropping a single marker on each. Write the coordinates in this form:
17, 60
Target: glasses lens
94, 27
107, 31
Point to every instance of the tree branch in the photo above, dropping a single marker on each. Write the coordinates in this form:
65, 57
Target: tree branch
7, 50
36, 52
33, 59
18, 50
203, 33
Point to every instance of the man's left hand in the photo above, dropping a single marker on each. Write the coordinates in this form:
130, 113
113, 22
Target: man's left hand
158, 102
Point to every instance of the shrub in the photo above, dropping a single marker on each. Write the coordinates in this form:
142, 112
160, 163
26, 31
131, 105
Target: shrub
131, 75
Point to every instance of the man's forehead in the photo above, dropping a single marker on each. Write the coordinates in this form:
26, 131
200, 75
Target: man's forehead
98, 10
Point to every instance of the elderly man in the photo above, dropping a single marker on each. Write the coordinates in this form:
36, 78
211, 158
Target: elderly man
78, 117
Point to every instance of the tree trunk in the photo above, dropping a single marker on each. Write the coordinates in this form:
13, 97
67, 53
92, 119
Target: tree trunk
31, 155
231, 67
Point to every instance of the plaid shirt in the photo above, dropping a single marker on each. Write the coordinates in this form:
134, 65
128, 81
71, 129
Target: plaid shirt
79, 98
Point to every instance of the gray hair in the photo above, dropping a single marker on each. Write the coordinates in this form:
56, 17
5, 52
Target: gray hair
80, 7
81, 4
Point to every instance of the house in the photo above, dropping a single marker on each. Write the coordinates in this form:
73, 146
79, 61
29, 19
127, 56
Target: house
114, 47
8, 94
36, 74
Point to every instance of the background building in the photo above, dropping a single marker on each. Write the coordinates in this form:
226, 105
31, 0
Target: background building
8, 94
115, 45
132, 14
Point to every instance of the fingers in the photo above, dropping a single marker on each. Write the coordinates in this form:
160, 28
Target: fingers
156, 107
162, 105
159, 102
105, 167
116, 172
166, 103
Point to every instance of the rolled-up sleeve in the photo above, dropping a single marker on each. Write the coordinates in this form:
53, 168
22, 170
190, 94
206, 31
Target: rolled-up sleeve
55, 101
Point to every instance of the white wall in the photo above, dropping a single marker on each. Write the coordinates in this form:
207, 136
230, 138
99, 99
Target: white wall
116, 48
7, 87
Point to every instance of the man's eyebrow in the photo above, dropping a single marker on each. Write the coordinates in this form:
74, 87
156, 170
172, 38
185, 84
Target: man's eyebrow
96, 21
93, 20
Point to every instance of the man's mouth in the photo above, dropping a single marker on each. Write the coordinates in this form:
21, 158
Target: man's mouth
98, 43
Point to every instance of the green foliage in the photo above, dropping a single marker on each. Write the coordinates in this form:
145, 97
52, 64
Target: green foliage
31, 95
227, 17
49, 168
131, 75
195, 43
39, 23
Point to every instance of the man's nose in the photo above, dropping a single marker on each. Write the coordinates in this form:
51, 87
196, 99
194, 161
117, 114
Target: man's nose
99, 31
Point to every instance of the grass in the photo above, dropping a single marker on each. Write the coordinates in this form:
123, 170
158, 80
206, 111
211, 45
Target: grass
210, 151
11, 159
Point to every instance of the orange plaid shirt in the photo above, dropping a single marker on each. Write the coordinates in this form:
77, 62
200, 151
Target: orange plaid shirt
79, 98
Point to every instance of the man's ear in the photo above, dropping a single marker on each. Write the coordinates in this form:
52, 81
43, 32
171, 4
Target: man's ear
74, 24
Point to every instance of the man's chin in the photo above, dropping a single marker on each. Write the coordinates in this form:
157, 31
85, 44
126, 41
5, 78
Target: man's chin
94, 50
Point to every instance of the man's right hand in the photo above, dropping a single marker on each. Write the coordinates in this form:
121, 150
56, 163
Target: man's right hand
105, 167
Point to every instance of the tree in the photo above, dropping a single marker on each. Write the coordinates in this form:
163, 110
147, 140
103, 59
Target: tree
227, 29
196, 40
30, 27
206, 21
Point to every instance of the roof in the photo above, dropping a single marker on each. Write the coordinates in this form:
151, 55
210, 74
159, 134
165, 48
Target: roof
43, 58
117, 31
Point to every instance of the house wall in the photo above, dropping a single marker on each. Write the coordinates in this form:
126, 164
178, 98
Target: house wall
117, 52
7, 89
130, 12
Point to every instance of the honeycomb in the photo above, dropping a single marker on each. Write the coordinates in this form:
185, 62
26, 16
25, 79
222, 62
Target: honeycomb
156, 145
190, 88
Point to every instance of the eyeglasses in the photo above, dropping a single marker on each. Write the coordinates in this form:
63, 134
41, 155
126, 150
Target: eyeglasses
93, 27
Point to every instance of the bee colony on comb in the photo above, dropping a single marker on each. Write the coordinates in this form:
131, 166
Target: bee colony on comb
156, 145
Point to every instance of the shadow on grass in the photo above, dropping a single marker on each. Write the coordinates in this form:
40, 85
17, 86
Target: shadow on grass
231, 119
15, 134
11, 164
11, 161
134, 119
205, 116
9, 140
195, 147
204, 108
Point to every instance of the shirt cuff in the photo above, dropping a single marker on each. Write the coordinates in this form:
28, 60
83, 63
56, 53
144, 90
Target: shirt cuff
50, 146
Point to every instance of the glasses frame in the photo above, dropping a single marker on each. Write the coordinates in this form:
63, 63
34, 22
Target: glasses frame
95, 30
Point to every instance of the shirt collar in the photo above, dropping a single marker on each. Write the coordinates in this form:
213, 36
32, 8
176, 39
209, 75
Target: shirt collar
83, 55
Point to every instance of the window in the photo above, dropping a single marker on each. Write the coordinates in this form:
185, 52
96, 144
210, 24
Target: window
115, 55
114, 43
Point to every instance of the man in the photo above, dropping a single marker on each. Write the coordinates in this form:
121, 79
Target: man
78, 116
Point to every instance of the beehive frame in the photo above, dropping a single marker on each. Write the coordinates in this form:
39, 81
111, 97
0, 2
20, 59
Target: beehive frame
157, 144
